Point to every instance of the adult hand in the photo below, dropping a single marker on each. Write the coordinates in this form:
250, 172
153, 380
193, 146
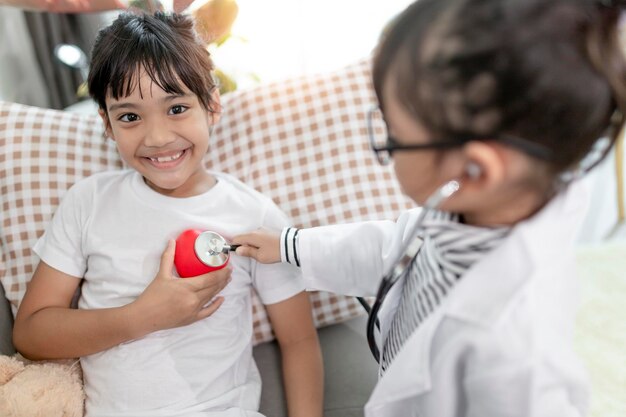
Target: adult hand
262, 245
174, 302
180, 5
67, 6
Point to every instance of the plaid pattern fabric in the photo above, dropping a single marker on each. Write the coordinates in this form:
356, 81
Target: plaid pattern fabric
302, 142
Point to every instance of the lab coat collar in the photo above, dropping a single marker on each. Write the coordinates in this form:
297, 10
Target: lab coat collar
479, 298
490, 285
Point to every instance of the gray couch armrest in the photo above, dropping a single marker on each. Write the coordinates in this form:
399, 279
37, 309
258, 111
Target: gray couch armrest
6, 326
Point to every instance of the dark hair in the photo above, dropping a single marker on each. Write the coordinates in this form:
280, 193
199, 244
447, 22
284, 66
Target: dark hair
166, 45
548, 71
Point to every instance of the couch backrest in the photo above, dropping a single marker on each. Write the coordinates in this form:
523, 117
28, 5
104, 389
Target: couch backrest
302, 142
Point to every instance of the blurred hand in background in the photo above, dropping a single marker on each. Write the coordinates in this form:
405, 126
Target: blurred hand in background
66, 6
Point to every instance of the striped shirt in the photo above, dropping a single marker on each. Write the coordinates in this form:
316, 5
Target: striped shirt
449, 249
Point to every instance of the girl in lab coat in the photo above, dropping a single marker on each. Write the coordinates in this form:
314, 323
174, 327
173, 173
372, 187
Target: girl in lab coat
491, 106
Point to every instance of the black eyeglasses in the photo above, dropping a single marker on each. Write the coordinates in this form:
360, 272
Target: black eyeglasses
385, 145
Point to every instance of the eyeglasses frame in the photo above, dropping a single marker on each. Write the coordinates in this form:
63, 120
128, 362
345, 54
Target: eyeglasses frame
531, 148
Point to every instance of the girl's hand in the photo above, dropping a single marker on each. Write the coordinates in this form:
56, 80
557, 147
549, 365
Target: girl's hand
174, 302
262, 245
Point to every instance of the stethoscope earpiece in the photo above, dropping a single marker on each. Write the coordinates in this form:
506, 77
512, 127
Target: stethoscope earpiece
438, 197
473, 170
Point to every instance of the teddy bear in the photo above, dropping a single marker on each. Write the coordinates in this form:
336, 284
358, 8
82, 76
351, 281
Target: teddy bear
40, 389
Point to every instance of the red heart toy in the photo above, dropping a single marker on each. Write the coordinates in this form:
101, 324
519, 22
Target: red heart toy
189, 244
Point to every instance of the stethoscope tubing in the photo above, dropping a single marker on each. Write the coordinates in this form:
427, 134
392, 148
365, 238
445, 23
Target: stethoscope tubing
403, 264
372, 319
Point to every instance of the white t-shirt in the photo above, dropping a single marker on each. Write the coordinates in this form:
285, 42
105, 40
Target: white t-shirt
111, 229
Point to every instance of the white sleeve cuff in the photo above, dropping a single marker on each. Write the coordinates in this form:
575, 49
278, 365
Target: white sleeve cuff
289, 246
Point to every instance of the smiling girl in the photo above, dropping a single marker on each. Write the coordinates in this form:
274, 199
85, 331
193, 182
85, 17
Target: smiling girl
152, 344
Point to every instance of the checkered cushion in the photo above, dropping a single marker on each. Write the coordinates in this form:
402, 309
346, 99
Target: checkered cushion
302, 142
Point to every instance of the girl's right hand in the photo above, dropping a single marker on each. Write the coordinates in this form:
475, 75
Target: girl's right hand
262, 245
170, 302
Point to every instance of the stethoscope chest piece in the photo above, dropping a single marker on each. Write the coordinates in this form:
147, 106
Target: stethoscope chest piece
209, 248
199, 252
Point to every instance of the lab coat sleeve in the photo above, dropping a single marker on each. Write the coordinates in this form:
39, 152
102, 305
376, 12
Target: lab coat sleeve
351, 259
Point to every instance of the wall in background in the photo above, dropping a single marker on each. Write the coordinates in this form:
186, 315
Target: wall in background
317, 36
600, 224
21, 80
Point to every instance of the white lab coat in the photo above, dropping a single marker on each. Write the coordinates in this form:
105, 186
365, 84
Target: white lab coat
500, 343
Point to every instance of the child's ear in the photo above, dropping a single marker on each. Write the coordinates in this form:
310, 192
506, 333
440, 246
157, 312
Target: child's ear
107, 124
215, 111
485, 166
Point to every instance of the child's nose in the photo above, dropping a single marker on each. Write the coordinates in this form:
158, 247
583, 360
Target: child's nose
158, 135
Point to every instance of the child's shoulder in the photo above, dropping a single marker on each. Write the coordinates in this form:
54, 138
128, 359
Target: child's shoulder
251, 199
240, 187
99, 181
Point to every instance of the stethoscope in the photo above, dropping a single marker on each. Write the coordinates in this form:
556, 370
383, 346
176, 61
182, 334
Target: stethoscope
211, 252
199, 252
400, 268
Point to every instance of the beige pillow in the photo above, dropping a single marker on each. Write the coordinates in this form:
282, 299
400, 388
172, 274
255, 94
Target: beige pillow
303, 142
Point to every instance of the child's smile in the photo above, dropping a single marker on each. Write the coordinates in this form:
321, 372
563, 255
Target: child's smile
168, 160
162, 135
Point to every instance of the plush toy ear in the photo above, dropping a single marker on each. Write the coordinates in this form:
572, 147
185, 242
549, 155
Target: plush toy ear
9, 367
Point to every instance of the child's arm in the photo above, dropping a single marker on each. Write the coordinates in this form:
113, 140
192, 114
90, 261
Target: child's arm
303, 373
47, 328
347, 259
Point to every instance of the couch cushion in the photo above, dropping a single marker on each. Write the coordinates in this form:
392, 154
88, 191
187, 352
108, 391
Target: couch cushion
350, 371
6, 326
302, 142
42, 153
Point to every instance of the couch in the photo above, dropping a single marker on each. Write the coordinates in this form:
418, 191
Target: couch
302, 141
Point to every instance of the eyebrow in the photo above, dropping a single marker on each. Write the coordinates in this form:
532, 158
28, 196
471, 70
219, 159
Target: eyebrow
168, 98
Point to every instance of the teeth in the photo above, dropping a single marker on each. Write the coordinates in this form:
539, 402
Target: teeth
167, 158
